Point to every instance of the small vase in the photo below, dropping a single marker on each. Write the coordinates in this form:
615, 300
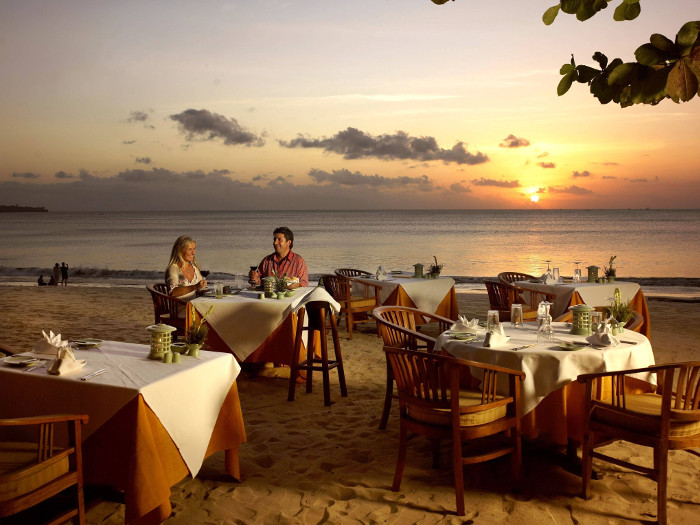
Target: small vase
280, 295
193, 349
611, 279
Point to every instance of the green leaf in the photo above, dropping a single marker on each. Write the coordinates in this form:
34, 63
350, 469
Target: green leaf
648, 55
619, 14
570, 6
587, 73
626, 11
662, 43
601, 59
440, 2
565, 83
566, 68
622, 74
688, 34
585, 11
599, 5
550, 14
682, 84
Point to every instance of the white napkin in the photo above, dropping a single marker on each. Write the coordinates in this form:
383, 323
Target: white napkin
317, 294
291, 280
50, 344
542, 312
603, 337
465, 325
65, 362
495, 339
381, 274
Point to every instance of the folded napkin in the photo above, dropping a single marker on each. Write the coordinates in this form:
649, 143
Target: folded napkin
495, 339
543, 312
49, 345
603, 337
65, 362
291, 280
548, 278
381, 274
465, 325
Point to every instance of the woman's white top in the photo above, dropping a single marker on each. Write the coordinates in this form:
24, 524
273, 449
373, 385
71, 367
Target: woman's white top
175, 278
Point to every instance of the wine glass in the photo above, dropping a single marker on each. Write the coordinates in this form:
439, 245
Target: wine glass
577, 272
250, 280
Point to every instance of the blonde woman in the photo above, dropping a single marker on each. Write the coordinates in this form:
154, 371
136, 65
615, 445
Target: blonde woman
183, 276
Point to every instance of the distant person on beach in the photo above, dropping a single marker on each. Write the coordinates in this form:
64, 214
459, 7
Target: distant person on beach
41, 281
56, 275
282, 261
64, 274
52, 281
182, 275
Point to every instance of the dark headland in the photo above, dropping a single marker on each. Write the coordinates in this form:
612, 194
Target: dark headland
14, 208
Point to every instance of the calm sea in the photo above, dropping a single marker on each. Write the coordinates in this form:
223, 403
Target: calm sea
648, 243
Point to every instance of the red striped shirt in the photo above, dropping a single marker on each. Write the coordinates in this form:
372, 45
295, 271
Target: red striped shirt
292, 264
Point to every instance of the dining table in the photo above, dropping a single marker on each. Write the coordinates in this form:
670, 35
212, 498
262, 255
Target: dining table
255, 330
435, 296
551, 398
150, 423
569, 293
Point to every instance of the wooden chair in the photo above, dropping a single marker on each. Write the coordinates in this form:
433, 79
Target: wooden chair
664, 420
353, 307
33, 472
634, 323
166, 309
433, 405
531, 299
397, 326
511, 277
503, 295
317, 312
351, 272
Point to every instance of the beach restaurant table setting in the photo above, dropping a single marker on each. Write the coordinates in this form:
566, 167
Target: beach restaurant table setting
592, 294
551, 399
255, 329
151, 423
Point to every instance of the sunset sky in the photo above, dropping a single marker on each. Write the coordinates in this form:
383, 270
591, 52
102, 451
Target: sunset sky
333, 104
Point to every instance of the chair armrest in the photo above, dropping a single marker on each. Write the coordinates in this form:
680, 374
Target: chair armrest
40, 420
367, 284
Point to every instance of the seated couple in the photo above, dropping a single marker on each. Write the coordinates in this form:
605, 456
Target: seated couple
184, 278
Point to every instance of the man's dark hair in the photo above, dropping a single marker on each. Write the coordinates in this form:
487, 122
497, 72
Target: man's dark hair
287, 234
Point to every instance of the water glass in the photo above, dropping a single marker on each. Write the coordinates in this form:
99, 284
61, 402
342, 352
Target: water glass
516, 315
492, 320
218, 289
555, 274
577, 275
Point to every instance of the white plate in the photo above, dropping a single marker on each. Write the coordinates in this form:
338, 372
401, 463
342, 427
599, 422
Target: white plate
87, 343
19, 360
396, 272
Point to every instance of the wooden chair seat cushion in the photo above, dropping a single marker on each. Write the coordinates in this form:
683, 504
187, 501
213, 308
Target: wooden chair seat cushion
21, 460
467, 398
361, 302
647, 404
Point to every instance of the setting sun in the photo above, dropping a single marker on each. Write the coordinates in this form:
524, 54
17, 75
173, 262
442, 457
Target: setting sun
535, 197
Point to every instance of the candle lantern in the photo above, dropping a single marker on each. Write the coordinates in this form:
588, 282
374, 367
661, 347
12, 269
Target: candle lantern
270, 286
592, 273
418, 274
581, 319
161, 338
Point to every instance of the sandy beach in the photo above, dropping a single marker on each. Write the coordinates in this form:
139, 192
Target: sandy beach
306, 463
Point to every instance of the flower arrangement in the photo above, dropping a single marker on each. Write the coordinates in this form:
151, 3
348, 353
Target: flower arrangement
619, 310
280, 282
435, 268
198, 330
610, 269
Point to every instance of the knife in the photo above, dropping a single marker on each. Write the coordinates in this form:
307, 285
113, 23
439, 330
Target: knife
94, 374
524, 346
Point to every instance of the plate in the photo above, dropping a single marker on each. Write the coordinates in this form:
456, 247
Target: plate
572, 346
19, 360
396, 272
88, 343
461, 336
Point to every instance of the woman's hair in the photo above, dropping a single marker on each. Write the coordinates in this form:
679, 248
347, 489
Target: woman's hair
179, 247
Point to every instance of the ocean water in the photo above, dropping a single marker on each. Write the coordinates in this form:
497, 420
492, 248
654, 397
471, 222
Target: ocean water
471, 244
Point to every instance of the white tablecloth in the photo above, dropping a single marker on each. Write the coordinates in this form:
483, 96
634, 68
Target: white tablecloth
547, 367
427, 294
592, 294
243, 321
186, 397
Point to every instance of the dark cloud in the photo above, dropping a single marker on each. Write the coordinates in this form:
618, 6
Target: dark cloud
640, 179
608, 163
497, 183
143, 160
543, 155
573, 189
511, 141
260, 178
345, 177
63, 175
128, 142
459, 188
609, 177
355, 144
25, 175
137, 116
203, 125
546, 165
578, 174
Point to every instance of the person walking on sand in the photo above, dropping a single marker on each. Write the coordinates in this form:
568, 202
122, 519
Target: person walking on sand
64, 274
56, 274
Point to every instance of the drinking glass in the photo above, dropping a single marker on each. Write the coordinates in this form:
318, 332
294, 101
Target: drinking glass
492, 320
577, 275
218, 289
596, 320
516, 315
555, 274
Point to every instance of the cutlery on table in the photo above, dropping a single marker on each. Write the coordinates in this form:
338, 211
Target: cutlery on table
524, 346
35, 366
94, 374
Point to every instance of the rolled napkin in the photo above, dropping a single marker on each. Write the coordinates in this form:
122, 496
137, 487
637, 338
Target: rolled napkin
65, 362
465, 325
381, 274
603, 337
50, 344
495, 339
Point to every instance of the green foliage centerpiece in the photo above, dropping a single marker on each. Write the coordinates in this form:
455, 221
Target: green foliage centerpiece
196, 334
619, 310
435, 269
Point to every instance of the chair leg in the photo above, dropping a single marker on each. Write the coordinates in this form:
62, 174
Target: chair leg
458, 471
350, 322
517, 455
586, 464
324, 366
435, 443
310, 354
338, 356
401, 459
388, 395
661, 467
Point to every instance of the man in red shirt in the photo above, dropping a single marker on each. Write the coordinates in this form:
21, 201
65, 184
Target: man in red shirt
282, 261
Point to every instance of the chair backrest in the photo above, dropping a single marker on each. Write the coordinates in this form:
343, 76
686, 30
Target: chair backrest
168, 309
397, 326
511, 277
501, 295
162, 288
352, 272
337, 286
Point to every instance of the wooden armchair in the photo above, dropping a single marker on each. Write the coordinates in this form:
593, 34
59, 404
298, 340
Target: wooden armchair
433, 405
511, 277
665, 420
503, 295
33, 472
531, 298
351, 272
170, 310
354, 306
397, 326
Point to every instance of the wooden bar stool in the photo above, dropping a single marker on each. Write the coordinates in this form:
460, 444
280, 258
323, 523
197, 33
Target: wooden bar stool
316, 328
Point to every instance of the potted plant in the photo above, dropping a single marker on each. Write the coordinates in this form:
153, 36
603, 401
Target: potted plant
619, 310
435, 269
610, 269
196, 334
